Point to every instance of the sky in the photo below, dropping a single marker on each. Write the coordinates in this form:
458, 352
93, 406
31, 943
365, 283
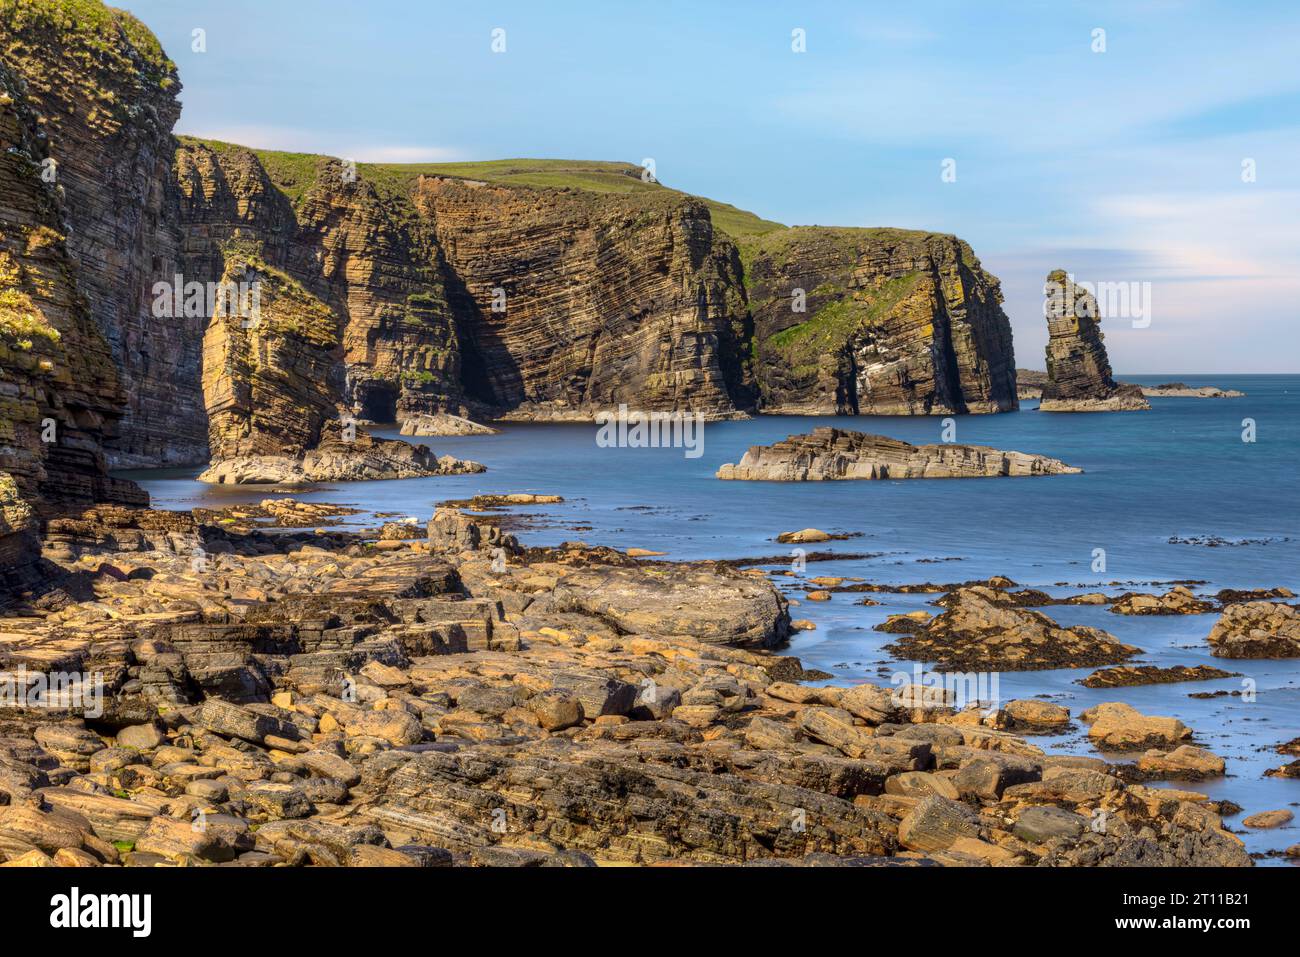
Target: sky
1162, 151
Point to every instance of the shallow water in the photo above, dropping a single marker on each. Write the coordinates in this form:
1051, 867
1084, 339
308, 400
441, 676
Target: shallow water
1181, 469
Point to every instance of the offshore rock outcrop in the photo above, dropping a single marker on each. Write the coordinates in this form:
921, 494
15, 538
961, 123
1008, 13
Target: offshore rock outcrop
338, 456
1078, 369
828, 454
444, 423
1257, 629
876, 321
979, 632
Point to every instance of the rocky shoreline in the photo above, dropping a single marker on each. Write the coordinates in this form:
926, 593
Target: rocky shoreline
457, 698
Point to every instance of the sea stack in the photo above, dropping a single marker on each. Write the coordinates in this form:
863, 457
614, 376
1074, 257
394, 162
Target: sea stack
1078, 370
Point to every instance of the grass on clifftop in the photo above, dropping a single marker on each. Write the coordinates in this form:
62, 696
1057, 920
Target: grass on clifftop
592, 176
102, 28
292, 173
782, 246
295, 173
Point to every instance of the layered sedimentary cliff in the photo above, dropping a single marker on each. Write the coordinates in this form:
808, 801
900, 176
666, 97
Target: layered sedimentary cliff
571, 301
270, 368
60, 395
879, 321
105, 95
1078, 369
828, 454
369, 260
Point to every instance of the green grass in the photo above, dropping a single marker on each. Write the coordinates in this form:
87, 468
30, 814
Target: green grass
295, 173
785, 245
292, 173
592, 176
826, 331
104, 29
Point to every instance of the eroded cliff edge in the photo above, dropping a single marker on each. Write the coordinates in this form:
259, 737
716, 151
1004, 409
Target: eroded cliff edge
876, 321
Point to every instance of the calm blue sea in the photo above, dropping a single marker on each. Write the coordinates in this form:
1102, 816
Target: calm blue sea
1180, 470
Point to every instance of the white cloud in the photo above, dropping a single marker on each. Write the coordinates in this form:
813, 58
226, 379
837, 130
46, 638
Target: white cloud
351, 147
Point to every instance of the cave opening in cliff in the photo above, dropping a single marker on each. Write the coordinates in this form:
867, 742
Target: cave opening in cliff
378, 402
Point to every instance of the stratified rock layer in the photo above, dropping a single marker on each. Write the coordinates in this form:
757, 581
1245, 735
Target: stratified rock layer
1078, 369
464, 701
444, 423
569, 302
106, 95
338, 457
827, 454
883, 321
60, 394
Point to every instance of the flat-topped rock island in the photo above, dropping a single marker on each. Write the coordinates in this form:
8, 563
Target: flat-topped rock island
827, 454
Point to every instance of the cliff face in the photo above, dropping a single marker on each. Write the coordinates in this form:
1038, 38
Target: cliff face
892, 322
1078, 370
569, 302
367, 259
60, 397
106, 96
270, 368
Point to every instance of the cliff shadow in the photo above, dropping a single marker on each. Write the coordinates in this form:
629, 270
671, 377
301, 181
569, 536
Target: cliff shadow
490, 376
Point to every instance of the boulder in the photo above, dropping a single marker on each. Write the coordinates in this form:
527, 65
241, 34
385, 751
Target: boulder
395, 727
714, 605
1269, 819
804, 536
1176, 601
1185, 761
1035, 714
935, 823
1041, 824
1120, 727
1257, 629
556, 709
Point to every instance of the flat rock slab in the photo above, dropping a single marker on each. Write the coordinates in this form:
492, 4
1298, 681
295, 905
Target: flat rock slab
827, 454
718, 606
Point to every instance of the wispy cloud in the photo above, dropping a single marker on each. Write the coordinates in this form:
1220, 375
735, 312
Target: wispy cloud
327, 143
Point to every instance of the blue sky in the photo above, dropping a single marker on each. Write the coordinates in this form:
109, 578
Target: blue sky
1120, 166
